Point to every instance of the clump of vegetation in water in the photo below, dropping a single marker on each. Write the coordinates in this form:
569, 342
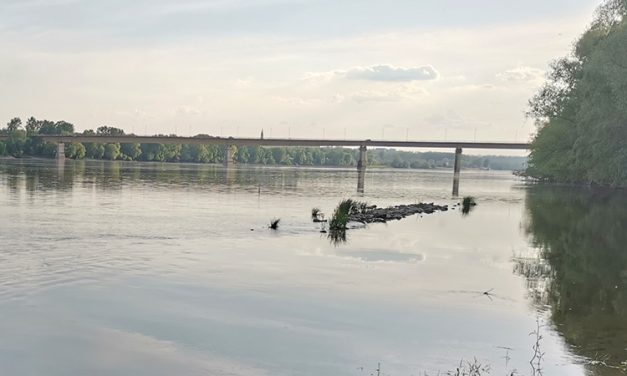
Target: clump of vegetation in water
274, 224
337, 237
343, 212
317, 215
467, 204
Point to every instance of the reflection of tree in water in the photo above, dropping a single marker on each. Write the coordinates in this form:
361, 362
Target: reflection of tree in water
111, 175
581, 273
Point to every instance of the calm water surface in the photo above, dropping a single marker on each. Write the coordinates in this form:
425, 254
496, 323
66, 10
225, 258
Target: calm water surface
151, 269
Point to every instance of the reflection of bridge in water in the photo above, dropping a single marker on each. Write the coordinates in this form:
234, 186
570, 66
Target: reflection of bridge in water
231, 143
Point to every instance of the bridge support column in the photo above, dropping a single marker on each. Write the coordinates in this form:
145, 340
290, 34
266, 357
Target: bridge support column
60, 151
361, 181
229, 156
457, 170
363, 158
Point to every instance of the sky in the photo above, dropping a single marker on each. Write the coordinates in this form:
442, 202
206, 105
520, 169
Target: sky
360, 69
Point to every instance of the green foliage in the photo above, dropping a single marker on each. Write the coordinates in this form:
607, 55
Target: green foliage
342, 213
14, 124
75, 150
94, 150
109, 131
112, 151
131, 151
32, 126
63, 127
16, 142
582, 110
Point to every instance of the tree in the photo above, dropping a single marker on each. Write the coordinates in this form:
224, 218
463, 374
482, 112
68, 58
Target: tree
14, 124
94, 150
243, 155
109, 131
581, 111
63, 127
131, 151
195, 153
172, 153
48, 127
75, 150
32, 126
15, 143
112, 151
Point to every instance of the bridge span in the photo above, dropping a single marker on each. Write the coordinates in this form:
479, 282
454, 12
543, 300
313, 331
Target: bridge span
229, 144
231, 141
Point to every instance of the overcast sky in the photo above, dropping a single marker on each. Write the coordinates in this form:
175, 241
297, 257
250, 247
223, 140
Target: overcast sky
426, 70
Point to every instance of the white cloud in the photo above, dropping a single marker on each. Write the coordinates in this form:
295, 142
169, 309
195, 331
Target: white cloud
392, 73
395, 94
382, 72
521, 74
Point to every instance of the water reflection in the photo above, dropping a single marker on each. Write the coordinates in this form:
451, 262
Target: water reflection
361, 181
337, 236
581, 272
105, 175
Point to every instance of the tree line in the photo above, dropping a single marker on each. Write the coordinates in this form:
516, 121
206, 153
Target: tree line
22, 142
581, 111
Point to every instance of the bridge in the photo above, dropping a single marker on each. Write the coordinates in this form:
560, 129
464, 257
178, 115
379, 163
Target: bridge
229, 144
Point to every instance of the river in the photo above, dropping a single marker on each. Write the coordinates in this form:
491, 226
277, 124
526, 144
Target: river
114, 268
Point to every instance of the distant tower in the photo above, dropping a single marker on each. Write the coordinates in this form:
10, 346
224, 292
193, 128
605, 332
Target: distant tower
262, 134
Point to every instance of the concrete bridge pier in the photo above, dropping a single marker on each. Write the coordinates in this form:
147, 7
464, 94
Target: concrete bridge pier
363, 158
60, 151
361, 181
229, 156
457, 170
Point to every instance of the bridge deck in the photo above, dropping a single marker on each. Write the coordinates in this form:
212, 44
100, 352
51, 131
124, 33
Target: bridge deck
282, 142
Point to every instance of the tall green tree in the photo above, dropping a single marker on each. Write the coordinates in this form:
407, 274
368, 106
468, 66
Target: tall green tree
75, 150
581, 111
131, 151
14, 124
111, 151
32, 126
16, 142
63, 127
